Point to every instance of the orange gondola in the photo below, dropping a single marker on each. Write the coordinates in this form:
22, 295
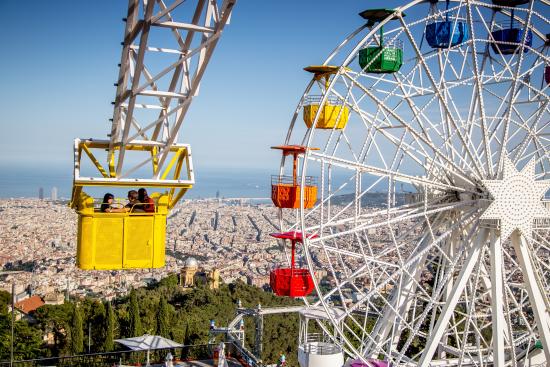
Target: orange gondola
286, 190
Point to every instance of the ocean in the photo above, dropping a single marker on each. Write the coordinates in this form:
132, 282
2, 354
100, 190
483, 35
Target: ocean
25, 181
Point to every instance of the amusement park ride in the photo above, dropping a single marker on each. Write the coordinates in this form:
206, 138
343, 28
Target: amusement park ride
166, 49
446, 110
451, 104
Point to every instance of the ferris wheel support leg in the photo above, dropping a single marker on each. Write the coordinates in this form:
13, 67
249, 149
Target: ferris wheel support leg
497, 301
461, 281
536, 297
400, 304
451, 246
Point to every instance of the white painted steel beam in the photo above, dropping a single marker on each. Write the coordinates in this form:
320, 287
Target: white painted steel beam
183, 70
449, 308
537, 296
497, 300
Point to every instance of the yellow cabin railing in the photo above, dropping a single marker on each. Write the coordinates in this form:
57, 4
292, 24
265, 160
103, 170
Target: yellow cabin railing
334, 114
109, 241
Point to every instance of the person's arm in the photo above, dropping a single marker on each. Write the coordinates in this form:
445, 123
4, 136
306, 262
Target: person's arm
110, 209
150, 207
117, 210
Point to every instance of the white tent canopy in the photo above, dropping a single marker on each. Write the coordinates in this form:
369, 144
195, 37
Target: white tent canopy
148, 342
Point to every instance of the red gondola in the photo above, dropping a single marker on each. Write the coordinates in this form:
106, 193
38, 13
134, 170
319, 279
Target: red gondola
293, 281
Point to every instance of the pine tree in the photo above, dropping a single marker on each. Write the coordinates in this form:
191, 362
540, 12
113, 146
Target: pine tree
135, 320
77, 334
186, 333
163, 318
108, 344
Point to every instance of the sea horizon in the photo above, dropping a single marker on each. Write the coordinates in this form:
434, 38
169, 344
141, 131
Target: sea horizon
25, 181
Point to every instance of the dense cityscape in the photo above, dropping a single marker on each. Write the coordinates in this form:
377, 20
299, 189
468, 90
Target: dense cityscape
38, 237
407, 223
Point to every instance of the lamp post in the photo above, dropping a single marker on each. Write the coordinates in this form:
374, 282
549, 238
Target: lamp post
12, 320
12, 311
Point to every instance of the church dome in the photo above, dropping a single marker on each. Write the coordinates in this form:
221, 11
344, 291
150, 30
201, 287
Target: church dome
191, 262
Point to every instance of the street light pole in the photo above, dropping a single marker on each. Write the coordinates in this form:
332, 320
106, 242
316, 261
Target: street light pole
12, 310
12, 320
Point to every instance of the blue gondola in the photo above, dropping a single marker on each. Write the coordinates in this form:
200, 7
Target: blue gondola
447, 33
514, 37
510, 40
510, 3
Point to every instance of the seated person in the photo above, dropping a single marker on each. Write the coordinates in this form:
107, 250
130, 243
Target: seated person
107, 207
134, 204
148, 203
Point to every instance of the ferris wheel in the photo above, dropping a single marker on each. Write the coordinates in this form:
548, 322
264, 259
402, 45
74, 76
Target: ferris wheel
418, 183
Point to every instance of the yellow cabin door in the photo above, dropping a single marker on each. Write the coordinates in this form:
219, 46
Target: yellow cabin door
138, 241
108, 242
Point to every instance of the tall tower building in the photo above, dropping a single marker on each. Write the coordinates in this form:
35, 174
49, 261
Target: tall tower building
54, 193
41, 193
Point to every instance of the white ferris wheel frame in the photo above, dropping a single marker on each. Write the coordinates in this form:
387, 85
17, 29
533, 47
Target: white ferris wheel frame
477, 242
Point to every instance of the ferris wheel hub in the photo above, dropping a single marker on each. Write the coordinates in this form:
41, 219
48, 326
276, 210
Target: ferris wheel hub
517, 199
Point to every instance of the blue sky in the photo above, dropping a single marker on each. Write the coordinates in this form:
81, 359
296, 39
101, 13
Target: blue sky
59, 61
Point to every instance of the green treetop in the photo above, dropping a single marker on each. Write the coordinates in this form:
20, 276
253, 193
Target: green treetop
163, 318
77, 334
135, 320
108, 344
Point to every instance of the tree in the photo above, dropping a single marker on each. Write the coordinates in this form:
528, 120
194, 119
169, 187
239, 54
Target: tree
77, 334
108, 344
5, 300
163, 318
97, 319
135, 320
27, 342
56, 320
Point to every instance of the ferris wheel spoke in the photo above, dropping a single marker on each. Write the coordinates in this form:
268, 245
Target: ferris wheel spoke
368, 224
376, 171
467, 219
410, 151
376, 269
478, 95
513, 90
543, 244
474, 159
532, 135
470, 322
421, 117
446, 281
416, 134
446, 313
400, 301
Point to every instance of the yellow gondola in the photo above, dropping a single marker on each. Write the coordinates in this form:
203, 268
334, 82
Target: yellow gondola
126, 240
334, 113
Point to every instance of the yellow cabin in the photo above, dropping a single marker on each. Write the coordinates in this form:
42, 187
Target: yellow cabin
126, 240
332, 116
121, 240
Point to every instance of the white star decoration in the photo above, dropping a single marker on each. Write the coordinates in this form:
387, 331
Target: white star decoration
517, 199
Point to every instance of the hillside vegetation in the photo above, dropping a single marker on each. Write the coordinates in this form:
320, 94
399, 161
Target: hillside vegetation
164, 308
